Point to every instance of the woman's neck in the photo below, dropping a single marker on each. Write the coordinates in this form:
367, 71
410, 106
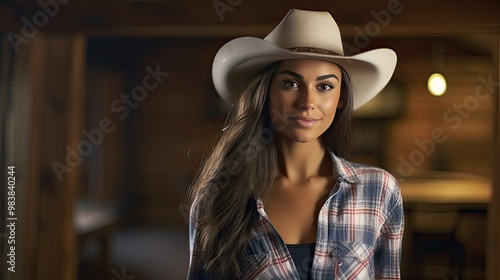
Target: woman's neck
298, 162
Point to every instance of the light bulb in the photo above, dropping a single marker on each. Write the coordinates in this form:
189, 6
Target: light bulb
436, 84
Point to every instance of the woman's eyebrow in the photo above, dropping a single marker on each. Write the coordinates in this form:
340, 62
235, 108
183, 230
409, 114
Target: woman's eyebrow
300, 77
291, 73
328, 76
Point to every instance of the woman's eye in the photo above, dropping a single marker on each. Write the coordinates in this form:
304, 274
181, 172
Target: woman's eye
325, 87
290, 84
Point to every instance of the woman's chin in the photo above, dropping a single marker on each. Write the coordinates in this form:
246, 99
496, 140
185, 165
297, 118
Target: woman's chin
302, 137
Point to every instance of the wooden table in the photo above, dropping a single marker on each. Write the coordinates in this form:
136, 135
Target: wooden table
439, 206
96, 221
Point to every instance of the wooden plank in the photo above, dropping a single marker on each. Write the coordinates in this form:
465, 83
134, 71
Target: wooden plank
106, 170
54, 139
37, 76
58, 91
201, 18
23, 124
76, 97
493, 248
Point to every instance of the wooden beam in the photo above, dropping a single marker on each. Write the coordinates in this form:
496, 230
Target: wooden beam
55, 84
76, 114
261, 30
493, 248
170, 18
36, 78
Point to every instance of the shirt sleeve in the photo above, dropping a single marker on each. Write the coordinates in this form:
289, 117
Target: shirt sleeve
388, 245
196, 264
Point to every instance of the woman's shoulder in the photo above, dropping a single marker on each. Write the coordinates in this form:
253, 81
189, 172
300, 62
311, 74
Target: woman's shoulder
364, 174
376, 184
368, 173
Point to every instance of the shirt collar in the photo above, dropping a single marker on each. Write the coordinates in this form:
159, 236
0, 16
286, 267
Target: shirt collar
343, 169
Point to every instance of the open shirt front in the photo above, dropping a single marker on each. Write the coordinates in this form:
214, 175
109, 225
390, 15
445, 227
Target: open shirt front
359, 235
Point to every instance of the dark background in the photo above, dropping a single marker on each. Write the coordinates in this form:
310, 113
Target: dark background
115, 206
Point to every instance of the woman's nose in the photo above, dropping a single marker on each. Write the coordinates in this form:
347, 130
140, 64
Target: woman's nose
307, 106
307, 100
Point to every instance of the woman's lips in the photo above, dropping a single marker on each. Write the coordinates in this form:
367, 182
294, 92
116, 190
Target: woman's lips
304, 121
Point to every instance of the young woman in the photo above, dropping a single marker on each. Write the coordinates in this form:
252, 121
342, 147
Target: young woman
275, 198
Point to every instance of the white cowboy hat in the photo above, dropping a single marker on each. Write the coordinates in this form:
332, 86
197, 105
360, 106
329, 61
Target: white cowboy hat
301, 34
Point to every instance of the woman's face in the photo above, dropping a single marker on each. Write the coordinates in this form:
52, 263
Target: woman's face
304, 96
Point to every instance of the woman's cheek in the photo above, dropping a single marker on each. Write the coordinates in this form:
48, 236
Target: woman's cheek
279, 117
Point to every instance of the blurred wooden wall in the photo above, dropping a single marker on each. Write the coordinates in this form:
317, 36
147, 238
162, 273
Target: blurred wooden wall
46, 95
493, 258
165, 137
174, 126
461, 118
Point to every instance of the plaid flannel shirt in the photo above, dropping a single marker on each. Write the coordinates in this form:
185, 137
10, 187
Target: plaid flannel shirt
359, 236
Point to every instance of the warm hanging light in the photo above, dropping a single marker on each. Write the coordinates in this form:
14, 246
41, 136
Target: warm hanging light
436, 84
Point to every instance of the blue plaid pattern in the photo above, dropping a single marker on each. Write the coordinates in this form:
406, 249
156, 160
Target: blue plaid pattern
360, 231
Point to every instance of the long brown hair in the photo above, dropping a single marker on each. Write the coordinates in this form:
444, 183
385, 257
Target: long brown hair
243, 164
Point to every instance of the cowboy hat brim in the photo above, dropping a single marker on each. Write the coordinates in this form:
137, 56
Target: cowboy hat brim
242, 58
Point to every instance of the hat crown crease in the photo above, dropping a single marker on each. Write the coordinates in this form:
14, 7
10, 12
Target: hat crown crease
312, 29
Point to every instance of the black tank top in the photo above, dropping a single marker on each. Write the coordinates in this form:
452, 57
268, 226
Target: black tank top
302, 256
